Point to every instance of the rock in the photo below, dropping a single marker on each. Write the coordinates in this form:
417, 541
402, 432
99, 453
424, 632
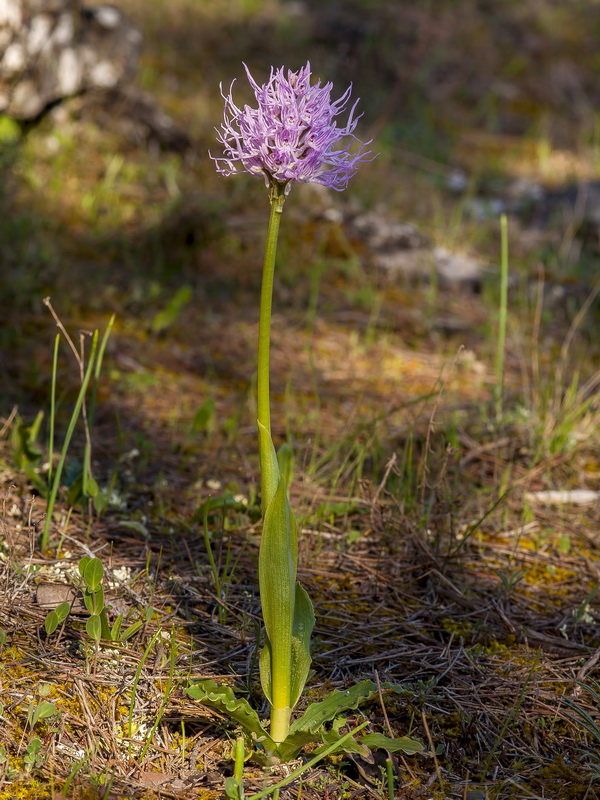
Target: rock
57, 49
458, 270
401, 251
53, 50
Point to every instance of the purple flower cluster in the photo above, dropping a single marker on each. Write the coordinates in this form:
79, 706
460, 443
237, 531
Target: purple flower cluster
291, 136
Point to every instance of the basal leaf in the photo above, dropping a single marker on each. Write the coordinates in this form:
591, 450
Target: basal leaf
130, 631
43, 710
350, 745
264, 665
222, 699
406, 745
317, 714
285, 460
277, 581
269, 466
293, 744
304, 622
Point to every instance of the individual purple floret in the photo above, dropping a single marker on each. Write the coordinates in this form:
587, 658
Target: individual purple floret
291, 136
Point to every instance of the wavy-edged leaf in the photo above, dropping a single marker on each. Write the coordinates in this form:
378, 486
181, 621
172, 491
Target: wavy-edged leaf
317, 714
404, 743
222, 699
304, 622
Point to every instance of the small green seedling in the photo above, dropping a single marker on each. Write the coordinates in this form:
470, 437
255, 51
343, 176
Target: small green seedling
33, 757
39, 711
97, 626
56, 617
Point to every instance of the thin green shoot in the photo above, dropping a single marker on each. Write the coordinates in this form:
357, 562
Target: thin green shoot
472, 528
74, 770
213, 567
67, 442
52, 408
389, 772
309, 765
501, 344
87, 458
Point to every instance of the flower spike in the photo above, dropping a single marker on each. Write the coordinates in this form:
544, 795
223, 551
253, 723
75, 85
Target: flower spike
292, 136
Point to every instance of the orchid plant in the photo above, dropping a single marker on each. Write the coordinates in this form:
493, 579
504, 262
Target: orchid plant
291, 136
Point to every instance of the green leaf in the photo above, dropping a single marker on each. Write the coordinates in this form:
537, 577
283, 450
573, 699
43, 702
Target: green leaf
94, 627
94, 601
34, 747
51, 623
264, 668
350, 744
104, 626
233, 790
3, 636
130, 631
56, 616
277, 581
317, 714
304, 622
269, 467
93, 573
63, 610
83, 562
222, 699
285, 460
116, 628
406, 745
43, 710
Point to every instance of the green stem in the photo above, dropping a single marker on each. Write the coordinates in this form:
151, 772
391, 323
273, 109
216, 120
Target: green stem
266, 297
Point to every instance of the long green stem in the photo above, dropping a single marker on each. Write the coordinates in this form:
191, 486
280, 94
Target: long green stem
266, 297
